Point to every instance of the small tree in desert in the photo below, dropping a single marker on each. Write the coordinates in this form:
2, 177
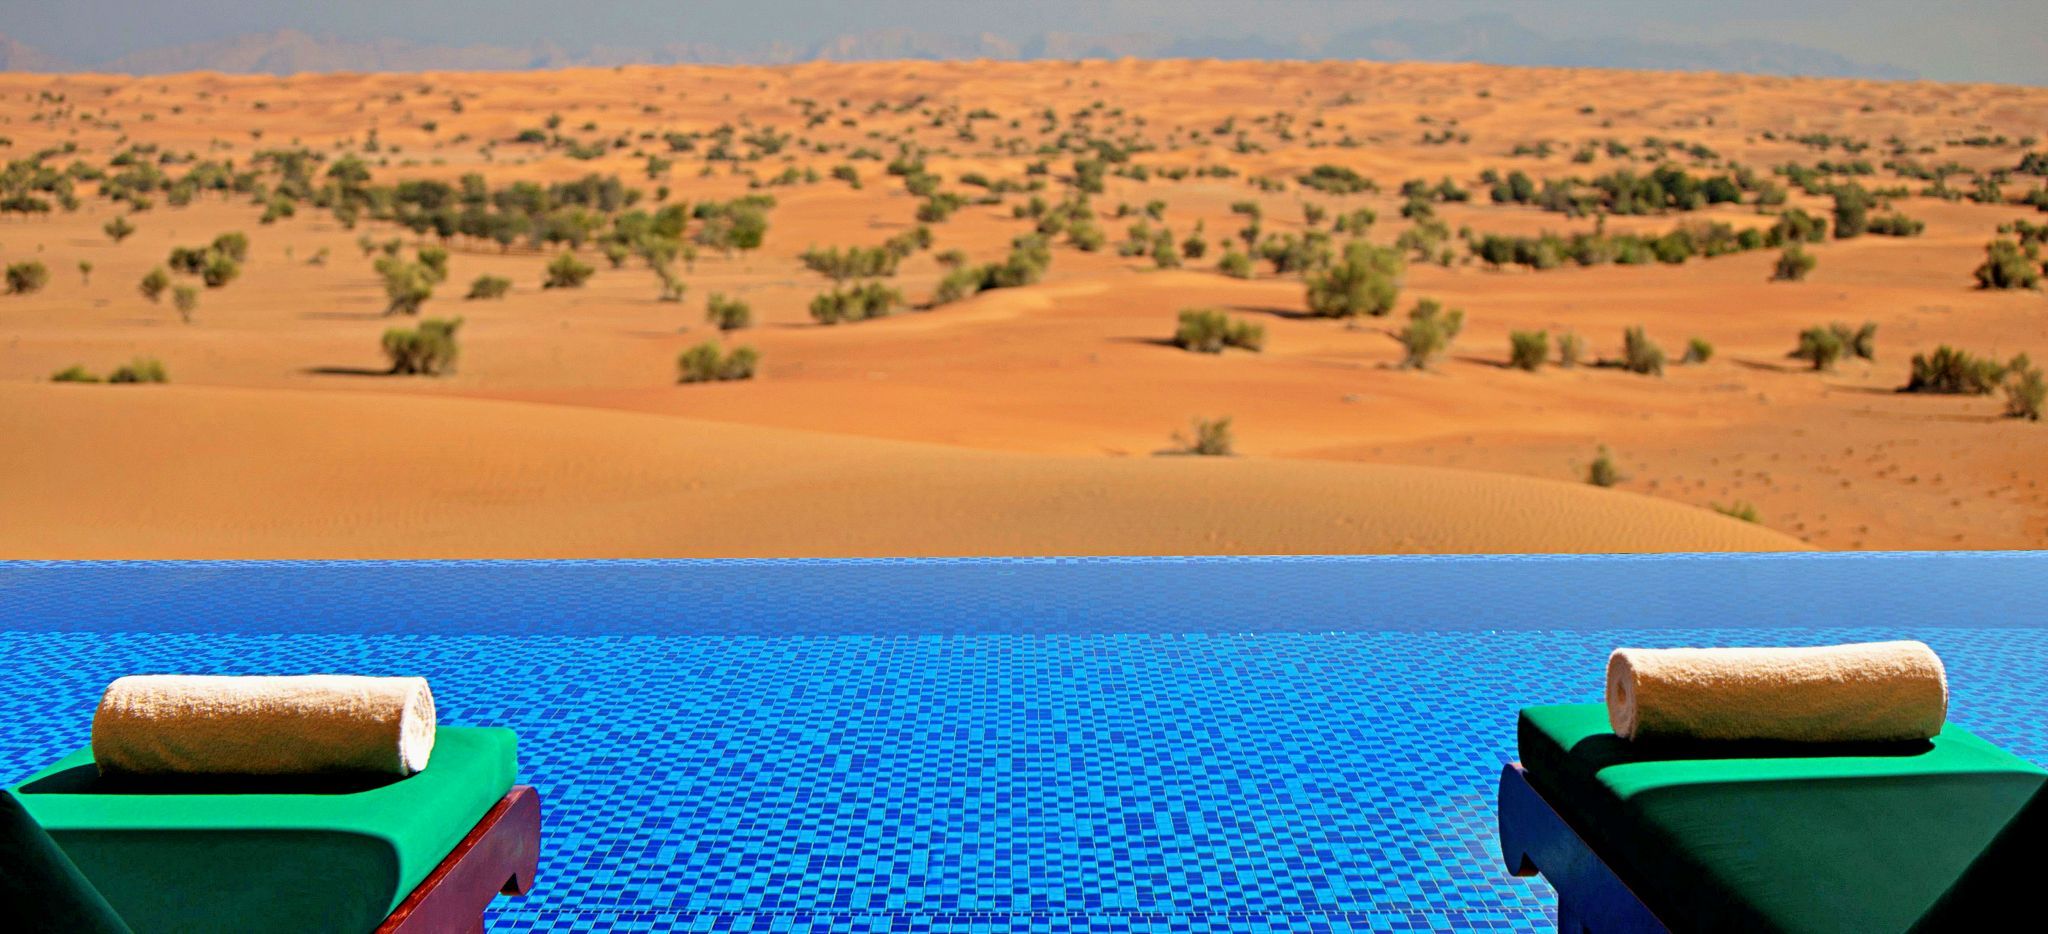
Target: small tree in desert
1429, 333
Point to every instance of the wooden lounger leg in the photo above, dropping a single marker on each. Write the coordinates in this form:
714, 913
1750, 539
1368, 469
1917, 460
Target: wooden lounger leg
498, 856
1534, 839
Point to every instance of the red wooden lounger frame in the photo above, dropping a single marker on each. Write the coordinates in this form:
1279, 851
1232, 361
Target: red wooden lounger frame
498, 856
1534, 839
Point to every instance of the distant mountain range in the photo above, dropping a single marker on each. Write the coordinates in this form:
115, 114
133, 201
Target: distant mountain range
1496, 39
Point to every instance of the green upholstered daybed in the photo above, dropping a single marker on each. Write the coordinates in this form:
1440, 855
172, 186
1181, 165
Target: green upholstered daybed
342, 855
1750, 837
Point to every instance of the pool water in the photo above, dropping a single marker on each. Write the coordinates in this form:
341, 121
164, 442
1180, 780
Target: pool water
1070, 776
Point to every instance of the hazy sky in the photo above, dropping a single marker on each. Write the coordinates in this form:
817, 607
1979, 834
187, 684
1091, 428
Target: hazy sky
1964, 40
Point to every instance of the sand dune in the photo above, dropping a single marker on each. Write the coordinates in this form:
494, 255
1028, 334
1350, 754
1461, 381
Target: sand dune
175, 471
1038, 386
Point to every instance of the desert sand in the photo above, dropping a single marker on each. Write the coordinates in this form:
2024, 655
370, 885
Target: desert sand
1020, 421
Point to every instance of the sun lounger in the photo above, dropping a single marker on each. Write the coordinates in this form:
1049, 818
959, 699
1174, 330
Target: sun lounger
420, 854
1752, 837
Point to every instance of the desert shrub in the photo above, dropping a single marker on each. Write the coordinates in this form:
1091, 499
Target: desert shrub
407, 285
27, 276
427, 350
567, 272
1195, 246
1956, 372
1207, 437
2025, 390
1697, 350
1738, 510
74, 374
1639, 355
1796, 226
1793, 264
1852, 211
1895, 225
1570, 349
957, 284
154, 283
1819, 346
1528, 349
1857, 342
707, 363
85, 271
728, 314
1602, 472
1336, 180
118, 229
1235, 264
2008, 265
1207, 330
1087, 236
857, 303
1365, 282
219, 269
140, 370
486, 287
855, 262
1165, 253
1429, 332
185, 299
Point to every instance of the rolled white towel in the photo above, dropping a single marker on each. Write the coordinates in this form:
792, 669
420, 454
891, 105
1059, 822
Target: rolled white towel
263, 725
1866, 692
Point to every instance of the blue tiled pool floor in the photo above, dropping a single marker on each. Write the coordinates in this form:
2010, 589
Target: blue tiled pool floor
996, 782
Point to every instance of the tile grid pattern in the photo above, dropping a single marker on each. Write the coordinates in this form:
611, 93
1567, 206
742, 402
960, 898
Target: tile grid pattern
1335, 781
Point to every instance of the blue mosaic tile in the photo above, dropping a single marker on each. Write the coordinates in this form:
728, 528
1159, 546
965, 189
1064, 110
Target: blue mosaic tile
1001, 781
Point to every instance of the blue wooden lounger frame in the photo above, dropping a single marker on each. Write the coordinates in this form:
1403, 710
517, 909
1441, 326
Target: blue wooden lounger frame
1534, 839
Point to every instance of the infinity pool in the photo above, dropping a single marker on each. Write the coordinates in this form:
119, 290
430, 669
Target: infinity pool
998, 746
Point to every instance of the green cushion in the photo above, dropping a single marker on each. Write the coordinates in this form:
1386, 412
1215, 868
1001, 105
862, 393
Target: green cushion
330, 854
1775, 837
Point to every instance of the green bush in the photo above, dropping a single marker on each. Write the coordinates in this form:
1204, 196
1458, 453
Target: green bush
852, 262
1528, 349
186, 300
407, 286
857, 303
1859, 342
233, 244
707, 362
1207, 330
1956, 372
428, 350
1602, 472
1852, 211
1819, 346
1207, 437
486, 287
140, 370
1697, 350
27, 276
1429, 333
118, 229
1570, 349
154, 283
567, 272
1738, 510
74, 374
1195, 246
1336, 180
728, 314
2007, 265
219, 269
1235, 264
1639, 355
1793, 264
1365, 282
2025, 390
1165, 253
